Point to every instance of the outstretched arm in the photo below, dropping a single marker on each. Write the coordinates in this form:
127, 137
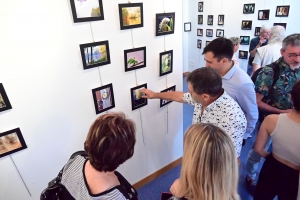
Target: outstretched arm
171, 96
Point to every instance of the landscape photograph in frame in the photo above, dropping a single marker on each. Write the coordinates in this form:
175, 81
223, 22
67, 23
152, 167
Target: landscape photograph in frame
87, 10
11, 141
134, 58
165, 63
131, 15
136, 97
164, 102
103, 98
165, 23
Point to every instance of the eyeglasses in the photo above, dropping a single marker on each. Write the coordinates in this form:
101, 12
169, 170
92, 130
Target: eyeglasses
293, 55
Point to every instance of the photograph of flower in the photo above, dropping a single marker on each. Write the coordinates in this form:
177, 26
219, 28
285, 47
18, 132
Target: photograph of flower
209, 32
221, 19
136, 97
245, 40
164, 102
200, 19
210, 20
131, 15
87, 10
165, 23
103, 98
11, 141
4, 101
165, 63
220, 33
200, 6
282, 11
246, 25
249, 8
257, 31
263, 14
243, 54
199, 32
135, 58
199, 44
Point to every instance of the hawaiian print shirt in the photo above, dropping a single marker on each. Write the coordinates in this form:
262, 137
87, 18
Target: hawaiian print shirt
279, 95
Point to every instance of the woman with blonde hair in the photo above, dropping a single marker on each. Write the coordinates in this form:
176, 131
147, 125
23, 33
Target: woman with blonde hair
209, 165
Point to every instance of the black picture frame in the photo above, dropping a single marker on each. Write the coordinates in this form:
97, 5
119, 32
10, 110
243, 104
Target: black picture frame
280, 24
200, 6
221, 19
249, 8
199, 32
80, 14
220, 33
136, 18
4, 101
187, 27
103, 98
136, 97
246, 25
257, 31
165, 57
207, 42
165, 23
210, 20
263, 14
102, 54
166, 102
209, 32
245, 40
199, 44
135, 58
11, 141
200, 19
282, 11
243, 55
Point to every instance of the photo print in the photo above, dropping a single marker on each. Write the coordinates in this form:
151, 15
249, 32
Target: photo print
134, 58
165, 63
165, 23
103, 98
220, 33
263, 14
131, 15
221, 19
243, 54
257, 31
4, 102
207, 42
11, 141
245, 40
85, 11
246, 25
209, 32
199, 44
210, 20
282, 11
280, 24
249, 8
200, 6
199, 32
165, 102
136, 97
200, 19
95, 54
187, 26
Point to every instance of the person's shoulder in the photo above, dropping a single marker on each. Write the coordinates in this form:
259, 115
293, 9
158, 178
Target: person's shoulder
240, 77
256, 39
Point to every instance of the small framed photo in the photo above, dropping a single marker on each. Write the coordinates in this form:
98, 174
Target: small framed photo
165, 63
165, 102
4, 101
209, 32
207, 42
199, 44
246, 24
134, 58
245, 40
210, 20
187, 27
221, 19
131, 15
200, 19
249, 8
136, 97
243, 54
85, 11
282, 11
280, 24
11, 141
95, 54
263, 14
200, 6
103, 98
220, 33
257, 31
165, 23
199, 32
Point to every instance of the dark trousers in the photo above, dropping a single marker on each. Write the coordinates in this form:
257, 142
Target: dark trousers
276, 179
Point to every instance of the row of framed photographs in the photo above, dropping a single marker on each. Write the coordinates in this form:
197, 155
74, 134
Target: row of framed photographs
281, 11
199, 43
247, 25
210, 19
209, 32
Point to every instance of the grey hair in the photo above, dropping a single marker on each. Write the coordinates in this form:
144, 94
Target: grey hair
277, 34
264, 27
235, 40
293, 40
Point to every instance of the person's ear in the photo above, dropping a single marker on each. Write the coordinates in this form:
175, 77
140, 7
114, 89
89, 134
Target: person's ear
281, 51
205, 97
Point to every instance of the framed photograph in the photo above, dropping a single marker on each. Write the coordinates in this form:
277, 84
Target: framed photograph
200, 19
136, 97
221, 19
199, 44
246, 24
103, 98
4, 102
165, 23
282, 11
131, 15
249, 8
187, 27
209, 32
263, 14
243, 54
199, 32
165, 63
245, 40
95, 54
280, 24
220, 33
200, 6
165, 102
257, 31
207, 42
210, 20
86, 11
11, 141
134, 58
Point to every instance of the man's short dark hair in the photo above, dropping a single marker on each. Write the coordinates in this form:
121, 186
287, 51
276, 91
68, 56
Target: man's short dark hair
221, 48
206, 80
296, 97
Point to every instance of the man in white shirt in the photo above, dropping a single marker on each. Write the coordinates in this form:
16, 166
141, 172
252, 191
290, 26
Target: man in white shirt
212, 104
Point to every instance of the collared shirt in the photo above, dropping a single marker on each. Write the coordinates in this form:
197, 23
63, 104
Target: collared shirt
224, 113
240, 87
279, 95
253, 43
267, 54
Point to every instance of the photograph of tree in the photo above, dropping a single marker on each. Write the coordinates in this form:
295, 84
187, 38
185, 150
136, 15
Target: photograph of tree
131, 15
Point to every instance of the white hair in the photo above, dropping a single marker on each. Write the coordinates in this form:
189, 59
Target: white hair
277, 34
264, 27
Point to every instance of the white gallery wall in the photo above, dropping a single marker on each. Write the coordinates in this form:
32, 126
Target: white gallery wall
233, 11
42, 73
